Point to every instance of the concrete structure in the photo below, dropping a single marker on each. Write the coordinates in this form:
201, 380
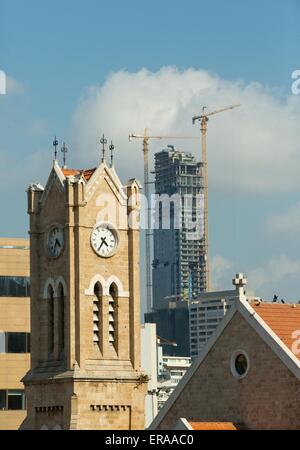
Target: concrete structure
14, 330
248, 373
85, 303
173, 369
205, 314
179, 261
172, 322
149, 363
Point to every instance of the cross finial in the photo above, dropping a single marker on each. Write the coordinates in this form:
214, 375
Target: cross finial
111, 148
55, 144
64, 151
103, 141
240, 282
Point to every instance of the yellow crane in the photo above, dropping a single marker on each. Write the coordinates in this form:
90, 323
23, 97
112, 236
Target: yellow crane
203, 118
146, 137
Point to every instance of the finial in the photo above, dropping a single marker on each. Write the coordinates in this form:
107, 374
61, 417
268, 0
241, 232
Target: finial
55, 144
64, 151
111, 148
103, 141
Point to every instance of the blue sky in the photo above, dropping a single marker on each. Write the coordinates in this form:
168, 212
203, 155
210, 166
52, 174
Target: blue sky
53, 51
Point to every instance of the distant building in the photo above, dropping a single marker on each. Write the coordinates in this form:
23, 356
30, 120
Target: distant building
172, 322
173, 369
14, 330
205, 314
164, 371
179, 263
149, 363
247, 375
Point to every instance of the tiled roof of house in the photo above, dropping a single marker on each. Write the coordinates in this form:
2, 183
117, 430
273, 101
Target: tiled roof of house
283, 319
71, 172
214, 426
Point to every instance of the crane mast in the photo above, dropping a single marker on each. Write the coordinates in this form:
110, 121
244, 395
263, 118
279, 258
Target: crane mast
145, 137
203, 118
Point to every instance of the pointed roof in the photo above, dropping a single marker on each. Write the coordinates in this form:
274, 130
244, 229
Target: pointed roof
72, 172
267, 320
284, 320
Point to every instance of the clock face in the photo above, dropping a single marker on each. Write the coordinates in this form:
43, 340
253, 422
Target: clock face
55, 242
104, 240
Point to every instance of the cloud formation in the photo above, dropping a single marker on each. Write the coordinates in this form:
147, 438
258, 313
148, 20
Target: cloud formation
247, 147
285, 221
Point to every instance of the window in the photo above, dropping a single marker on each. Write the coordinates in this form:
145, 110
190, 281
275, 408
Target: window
50, 320
14, 286
14, 342
96, 315
113, 295
61, 321
239, 364
12, 399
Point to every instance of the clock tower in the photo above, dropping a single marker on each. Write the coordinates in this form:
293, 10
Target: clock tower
85, 302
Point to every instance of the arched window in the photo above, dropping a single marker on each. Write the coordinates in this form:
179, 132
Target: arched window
112, 314
50, 320
97, 315
61, 320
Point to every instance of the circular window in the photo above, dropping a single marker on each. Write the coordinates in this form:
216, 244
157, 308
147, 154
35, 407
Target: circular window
239, 364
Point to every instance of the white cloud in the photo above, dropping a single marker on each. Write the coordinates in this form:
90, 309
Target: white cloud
247, 147
14, 86
220, 272
277, 272
286, 221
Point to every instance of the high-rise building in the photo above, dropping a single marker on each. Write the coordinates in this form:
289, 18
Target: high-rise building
179, 262
14, 330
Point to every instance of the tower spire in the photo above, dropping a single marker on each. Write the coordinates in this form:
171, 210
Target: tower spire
103, 141
55, 144
111, 148
64, 151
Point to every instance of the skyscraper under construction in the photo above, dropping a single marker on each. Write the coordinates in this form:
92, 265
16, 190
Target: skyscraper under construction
179, 262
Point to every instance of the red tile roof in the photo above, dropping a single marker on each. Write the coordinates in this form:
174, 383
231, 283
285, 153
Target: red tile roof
214, 426
282, 319
86, 173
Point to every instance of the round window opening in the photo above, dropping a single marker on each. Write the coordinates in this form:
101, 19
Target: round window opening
241, 364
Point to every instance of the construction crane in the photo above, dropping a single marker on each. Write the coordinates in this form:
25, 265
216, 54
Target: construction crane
203, 118
145, 137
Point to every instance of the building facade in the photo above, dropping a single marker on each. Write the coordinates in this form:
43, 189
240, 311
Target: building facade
14, 330
173, 368
85, 303
205, 315
179, 260
248, 373
149, 361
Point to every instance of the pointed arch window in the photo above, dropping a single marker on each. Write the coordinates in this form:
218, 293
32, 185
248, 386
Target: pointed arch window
50, 320
97, 325
112, 314
61, 320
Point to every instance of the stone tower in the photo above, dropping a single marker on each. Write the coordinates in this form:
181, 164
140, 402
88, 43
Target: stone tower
85, 303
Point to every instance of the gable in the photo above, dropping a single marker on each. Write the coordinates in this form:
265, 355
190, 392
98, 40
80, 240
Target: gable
210, 393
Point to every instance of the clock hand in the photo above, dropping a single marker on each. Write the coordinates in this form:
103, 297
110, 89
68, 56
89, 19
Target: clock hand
103, 242
57, 242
